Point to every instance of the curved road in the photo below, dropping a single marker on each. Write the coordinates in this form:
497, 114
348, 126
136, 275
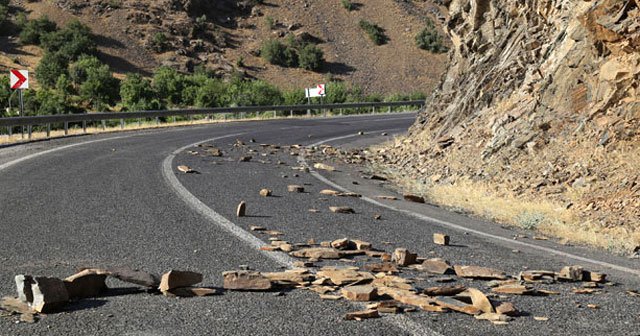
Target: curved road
117, 200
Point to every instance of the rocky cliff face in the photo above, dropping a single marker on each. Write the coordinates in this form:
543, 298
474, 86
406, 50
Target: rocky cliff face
540, 101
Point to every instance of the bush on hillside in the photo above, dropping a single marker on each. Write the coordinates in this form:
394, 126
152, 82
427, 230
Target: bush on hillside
375, 32
70, 42
33, 30
94, 81
137, 94
429, 39
310, 57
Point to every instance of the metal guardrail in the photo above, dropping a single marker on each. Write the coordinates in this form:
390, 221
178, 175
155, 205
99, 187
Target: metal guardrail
65, 119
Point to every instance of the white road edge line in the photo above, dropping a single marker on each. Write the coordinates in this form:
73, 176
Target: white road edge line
194, 203
323, 179
35, 155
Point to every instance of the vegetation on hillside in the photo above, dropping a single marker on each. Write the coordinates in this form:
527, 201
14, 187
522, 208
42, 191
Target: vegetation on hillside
430, 39
375, 32
293, 53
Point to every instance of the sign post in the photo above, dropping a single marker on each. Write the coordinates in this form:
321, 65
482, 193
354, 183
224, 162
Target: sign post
19, 80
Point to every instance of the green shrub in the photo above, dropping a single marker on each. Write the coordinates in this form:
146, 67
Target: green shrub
159, 42
429, 39
310, 57
278, 53
530, 220
50, 102
348, 5
94, 81
137, 94
33, 30
375, 32
168, 83
5, 93
50, 68
70, 42
4, 15
294, 97
269, 22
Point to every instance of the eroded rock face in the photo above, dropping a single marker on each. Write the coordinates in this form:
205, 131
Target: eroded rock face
544, 95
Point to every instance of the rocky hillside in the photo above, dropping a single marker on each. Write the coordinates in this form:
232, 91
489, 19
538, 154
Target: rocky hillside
226, 35
539, 112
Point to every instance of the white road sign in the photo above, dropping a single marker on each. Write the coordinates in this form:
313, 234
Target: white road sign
318, 91
19, 79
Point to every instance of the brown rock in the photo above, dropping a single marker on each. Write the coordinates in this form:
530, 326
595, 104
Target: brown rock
410, 298
191, 292
381, 267
257, 228
323, 166
245, 158
571, 273
317, 253
186, 169
343, 244
23, 284
135, 276
344, 276
538, 276
216, 152
174, 279
17, 306
362, 314
295, 188
514, 289
386, 280
242, 209
403, 257
441, 239
507, 308
342, 209
49, 294
444, 290
436, 266
455, 305
388, 307
265, 192
414, 198
360, 293
245, 280
329, 192
87, 283
493, 317
479, 300
362, 245
289, 277
594, 277
477, 272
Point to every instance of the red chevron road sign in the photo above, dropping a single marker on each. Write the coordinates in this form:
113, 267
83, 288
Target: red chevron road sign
19, 79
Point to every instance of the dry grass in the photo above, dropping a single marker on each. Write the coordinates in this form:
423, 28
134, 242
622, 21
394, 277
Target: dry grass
543, 216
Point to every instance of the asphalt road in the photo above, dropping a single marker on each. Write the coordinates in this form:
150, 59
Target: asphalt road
119, 201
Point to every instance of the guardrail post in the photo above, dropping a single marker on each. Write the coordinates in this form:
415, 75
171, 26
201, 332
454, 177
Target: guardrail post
66, 128
139, 122
389, 110
10, 131
157, 120
84, 126
291, 113
174, 119
29, 130
121, 123
275, 114
104, 125
48, 130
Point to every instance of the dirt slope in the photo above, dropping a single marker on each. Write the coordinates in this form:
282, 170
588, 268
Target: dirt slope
537, 120
235, 30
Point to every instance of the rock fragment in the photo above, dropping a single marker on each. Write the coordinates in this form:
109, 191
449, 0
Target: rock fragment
245, 158
441, 239
295, 188
265, 192
478, 272
175, 279
414, 198
134, 276
317, 253
87, 283
385, 267
403, 257
444, 290
514, 289
342, 210
49, 294
329, 192
323, 166
507, 308
241, 211
410, 298
344, 276
455, 305
436, 266
360, 293
362, 314
571, 273
186, 169
23, 284
245, 280
479, 300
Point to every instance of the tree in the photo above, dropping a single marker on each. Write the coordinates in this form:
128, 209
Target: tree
213, 93
33, 30
50, 68
310, 57
70, 42
294, 97
5, 93
168, 83
278, 53
4, 13
137, 94
95, 81
50, 102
